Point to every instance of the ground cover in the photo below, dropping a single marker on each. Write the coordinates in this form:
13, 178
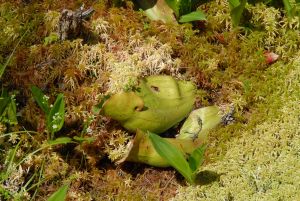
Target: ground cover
256, 157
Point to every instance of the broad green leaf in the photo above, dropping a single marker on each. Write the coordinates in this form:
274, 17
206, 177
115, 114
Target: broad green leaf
3, 104
60, 194
157, 10
237, 9
173, 156
12, 112
53, 37
197, 158
193, 16
181, 7
41, 99
56, 117
185, 7
233, 3
8, 109
60, 140
288, 8
141, 150
175, 6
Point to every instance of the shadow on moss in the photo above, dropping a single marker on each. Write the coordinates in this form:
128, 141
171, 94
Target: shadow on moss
206, 177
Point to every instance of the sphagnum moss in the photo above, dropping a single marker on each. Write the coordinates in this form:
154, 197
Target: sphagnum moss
226, 63
264, 161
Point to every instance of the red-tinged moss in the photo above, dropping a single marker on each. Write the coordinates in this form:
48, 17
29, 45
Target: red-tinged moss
226, 64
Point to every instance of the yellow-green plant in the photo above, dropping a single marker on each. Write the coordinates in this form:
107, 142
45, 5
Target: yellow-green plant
60, 194
55, 114
13, 162
176, 158
237, 7
157, 104
199, 122
142, 150
236, 10
8, 109
164, 10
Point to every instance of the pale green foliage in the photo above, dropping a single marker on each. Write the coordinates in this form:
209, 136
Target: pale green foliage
174, 156
266, 18
60, 194
218, 15
263, 164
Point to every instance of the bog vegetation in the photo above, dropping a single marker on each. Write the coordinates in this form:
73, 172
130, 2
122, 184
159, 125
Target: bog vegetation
149, 100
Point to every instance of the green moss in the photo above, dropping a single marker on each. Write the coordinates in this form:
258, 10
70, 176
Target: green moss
259, 153
227, 65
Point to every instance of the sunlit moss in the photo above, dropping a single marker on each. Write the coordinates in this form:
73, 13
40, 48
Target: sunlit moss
256, 156
262, 163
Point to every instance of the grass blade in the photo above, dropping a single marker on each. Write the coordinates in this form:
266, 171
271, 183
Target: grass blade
197, 158
174, 5
3, 66
41, 99
288, 8
60, 194
237, 9
56, 116
172, 155
60, 140
3, 103
193, 16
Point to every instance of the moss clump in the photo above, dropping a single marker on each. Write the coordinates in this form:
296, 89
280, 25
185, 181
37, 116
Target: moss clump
262, 162
120, 46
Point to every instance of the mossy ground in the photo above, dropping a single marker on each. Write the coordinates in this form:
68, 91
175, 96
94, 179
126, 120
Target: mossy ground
256, 158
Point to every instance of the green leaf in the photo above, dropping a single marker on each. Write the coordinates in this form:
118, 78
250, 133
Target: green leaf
84, 139
233, 3
60, 194
193, 16
8, 109
237, 9
288, 8
158, 10
56, 116
12, 112
60, 140
41, 99
196, 158
175, 6
53, 37
172, 155
185, 7
3, 103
